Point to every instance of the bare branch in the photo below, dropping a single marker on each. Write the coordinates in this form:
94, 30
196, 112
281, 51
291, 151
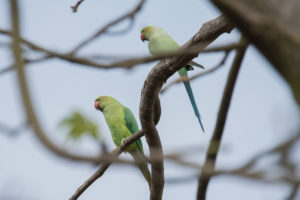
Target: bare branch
126, 63
116, 152
123, 31
273, 27
215, 142
130, 15
26, 61
75, 7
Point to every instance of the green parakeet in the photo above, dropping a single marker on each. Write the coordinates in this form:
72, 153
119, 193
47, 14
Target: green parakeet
159, 42
122, 124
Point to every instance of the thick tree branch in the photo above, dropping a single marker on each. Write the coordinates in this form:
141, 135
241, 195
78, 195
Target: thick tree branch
158, 75
215, 142
273, 26
130, 15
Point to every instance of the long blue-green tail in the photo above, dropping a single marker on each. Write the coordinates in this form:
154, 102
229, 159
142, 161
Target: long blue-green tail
189, 90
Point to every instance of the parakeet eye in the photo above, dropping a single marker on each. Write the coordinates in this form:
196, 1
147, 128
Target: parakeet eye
102, 98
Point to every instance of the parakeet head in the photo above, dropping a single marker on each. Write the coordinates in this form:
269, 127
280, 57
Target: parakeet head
147, 31
104, 101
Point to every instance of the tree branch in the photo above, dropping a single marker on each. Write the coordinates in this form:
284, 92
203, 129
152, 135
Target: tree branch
115, 153
214, 145
75, 7
126, 63
273, 26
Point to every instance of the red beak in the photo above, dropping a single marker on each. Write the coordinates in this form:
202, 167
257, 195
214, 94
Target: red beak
142, 37
96, 105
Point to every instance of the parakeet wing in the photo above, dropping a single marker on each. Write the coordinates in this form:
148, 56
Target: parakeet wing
132, 125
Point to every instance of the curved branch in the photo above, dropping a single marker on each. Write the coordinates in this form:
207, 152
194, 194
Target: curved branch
158, 75
273, 26
214, 145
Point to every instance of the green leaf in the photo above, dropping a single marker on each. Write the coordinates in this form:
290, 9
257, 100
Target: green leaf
78, 126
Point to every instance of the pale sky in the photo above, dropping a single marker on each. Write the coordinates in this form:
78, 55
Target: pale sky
262, 111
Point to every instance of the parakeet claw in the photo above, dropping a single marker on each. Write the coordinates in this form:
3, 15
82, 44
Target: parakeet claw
189, 68
123, 141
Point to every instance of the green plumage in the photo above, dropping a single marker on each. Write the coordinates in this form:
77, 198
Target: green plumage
122, 124
159, 42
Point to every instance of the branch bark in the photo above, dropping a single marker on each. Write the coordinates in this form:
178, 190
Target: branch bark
273, 26
215, 142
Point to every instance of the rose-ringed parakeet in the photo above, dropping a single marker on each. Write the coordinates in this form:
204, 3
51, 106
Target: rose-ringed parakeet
122, 124
159, 42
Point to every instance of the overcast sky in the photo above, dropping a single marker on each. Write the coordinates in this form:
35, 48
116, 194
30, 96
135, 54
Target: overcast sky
262, 111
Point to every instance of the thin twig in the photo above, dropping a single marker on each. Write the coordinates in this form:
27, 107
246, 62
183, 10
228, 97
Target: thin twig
130, 15
75, 7
116, 152
26, 61
214, 145
123, 31
198, 75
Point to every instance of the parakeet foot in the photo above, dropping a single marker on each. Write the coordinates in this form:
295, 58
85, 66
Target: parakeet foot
189, 68
123, 141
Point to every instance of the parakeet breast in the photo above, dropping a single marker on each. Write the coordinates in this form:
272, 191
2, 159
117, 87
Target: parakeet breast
161, 43
114, 117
